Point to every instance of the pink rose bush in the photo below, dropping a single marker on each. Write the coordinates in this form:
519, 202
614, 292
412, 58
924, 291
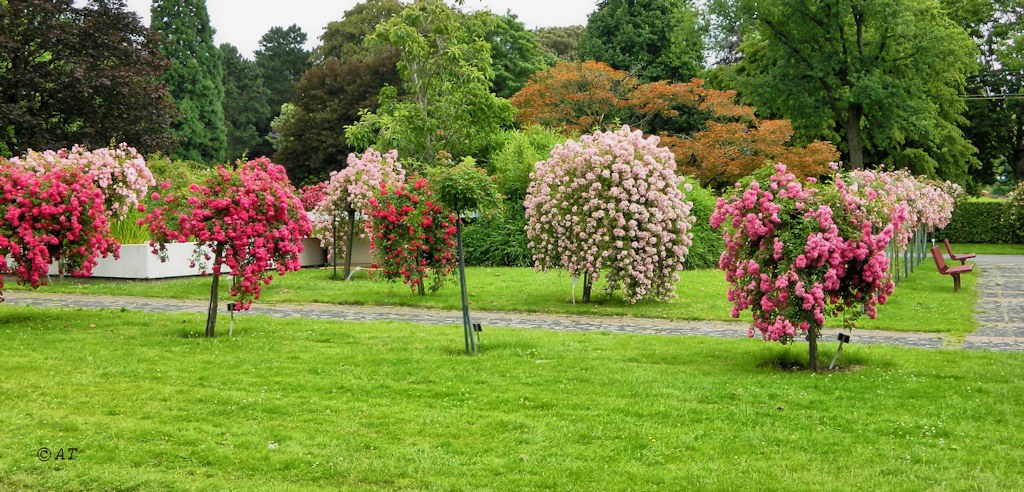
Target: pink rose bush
611, 202
411, 235
351, 190
796, 253
55, 214
250, 219
927, 204
312, 194
119, 172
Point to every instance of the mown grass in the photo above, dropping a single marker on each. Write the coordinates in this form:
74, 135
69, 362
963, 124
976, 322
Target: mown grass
314, 405
923, 302
988, 249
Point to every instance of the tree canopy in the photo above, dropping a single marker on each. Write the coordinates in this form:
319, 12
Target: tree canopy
194, 78
883, 77
653, 39
444, 102
995, 116
515, 52
57, 62
246, 111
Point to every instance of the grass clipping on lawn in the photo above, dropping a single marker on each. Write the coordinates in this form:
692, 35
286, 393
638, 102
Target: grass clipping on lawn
312, 405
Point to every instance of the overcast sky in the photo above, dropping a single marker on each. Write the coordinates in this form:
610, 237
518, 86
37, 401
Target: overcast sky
241, 23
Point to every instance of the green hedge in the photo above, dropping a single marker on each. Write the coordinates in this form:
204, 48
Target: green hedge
981, 222
499, 240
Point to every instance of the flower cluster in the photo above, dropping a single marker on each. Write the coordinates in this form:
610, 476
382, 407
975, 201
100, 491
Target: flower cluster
797, 253
119, 172
411, 235
351, 190
55, 214
312, 194
927, 204
250, 219
611, 202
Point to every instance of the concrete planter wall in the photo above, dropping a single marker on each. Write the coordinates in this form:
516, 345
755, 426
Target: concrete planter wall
138, 262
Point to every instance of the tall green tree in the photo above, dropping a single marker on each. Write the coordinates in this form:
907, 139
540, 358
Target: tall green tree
346, 79
515, 52
282, 59
329, 97
995, 113
343, 39
560, 41
194, 79
83, 75
246, 111
653, 39
444, 102
881, 77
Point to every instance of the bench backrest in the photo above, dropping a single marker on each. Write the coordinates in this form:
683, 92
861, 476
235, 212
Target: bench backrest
949, 249
940, 262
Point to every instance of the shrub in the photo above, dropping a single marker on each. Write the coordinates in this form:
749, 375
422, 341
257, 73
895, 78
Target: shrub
348, 192
707, 244
56, 214
120, 172
499, 240
978, 222
611, 202
1013, 215
517, 157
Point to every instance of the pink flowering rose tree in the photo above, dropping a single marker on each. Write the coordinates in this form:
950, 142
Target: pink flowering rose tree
411, 235
611, 202
927, 205
348, 192
796, 253
119, 172
50, 215
250, 220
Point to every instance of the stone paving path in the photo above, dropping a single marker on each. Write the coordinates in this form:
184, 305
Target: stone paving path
1000, 308
1000, 313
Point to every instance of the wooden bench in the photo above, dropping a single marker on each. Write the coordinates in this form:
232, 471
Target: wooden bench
953, 271
962, 258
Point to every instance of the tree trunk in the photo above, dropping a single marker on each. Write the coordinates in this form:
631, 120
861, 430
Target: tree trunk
812, 342
419, 287
211, 313
586, 288
853, 140
351, 239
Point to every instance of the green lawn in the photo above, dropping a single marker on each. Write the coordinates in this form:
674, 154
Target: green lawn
924, 302
313, 405
988, 249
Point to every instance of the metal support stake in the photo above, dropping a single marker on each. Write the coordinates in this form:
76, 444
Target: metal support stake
467, 323
351, 239
843, 338
334, 245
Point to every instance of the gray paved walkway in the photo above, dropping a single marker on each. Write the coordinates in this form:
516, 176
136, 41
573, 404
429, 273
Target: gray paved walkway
1000, 308
1000, 313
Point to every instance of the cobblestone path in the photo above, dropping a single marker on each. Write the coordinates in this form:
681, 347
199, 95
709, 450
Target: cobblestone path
1000, 312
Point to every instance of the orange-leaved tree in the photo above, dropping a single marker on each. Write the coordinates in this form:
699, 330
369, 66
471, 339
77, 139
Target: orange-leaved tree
713, 136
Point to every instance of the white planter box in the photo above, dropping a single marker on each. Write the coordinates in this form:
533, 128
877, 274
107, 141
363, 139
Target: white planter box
138, 262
